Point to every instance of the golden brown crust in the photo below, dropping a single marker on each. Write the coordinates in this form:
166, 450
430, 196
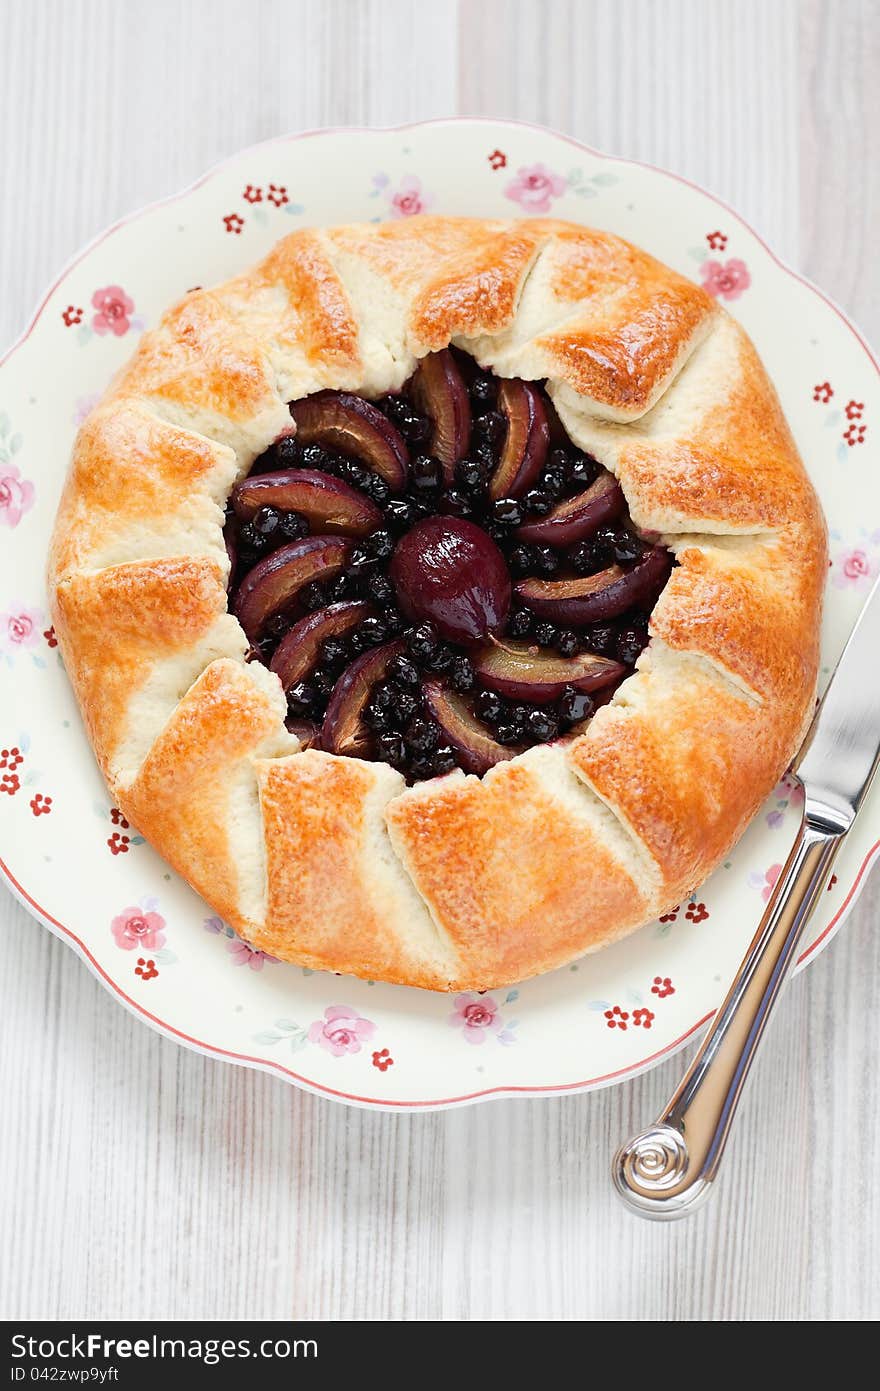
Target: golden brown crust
117, 626
457, 883
503, 863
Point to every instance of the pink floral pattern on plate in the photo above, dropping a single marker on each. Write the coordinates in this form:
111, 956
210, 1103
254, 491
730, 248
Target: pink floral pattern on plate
408, 198
243, 954
21, 627
16, 494
766, 882
134, 927
727, 279
479, 1016
114, 308
534, 188
854, 567
342, 1030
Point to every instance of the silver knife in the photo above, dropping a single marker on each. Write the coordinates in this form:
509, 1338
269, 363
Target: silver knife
668, 1169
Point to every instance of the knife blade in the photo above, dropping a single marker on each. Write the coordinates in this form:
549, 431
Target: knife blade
840, 754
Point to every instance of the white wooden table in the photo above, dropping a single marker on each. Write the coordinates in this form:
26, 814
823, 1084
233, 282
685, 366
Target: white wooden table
142, 1181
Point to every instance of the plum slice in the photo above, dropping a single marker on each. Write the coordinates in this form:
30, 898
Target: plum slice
476, 749
329, 504
450, 572
594, 598
521, 672
577, 517
526, 440
438, 389
346, 422
306, 731
299, 651
275, 581
344, 730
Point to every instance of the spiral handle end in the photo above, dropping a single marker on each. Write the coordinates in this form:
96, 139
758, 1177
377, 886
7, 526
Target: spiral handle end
650, 1174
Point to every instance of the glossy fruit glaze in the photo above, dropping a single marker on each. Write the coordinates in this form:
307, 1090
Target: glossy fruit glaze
439, 578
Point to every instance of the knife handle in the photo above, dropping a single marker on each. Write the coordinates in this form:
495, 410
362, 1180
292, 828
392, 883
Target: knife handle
668, 1169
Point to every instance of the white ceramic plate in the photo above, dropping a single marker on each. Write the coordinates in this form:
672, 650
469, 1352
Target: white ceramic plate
82, 871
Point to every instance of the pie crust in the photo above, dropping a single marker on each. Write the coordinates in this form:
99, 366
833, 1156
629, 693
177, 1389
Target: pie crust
457, 882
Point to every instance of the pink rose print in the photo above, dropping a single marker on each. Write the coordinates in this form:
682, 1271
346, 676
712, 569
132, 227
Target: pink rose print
498, 159
134, 927
717, 240
616, 1018
71, 315
534, 188
697, 912
477, 1016
252, 194
662, 987
342, 1030
382, 1059
823, 393
768, 883
854, 569
408, 198
146, 968
20, 627
727, 280
643, 1018
854, 410
16, 495
233, 223
40, 805
854, 434
114, 307
243, 954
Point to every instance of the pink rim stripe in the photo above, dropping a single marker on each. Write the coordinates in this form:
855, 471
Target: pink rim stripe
265, 1064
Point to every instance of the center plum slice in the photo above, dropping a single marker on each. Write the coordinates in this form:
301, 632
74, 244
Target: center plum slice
522, 672
347, 422
329, 504
449, 572
344, 730
275, 582
594, 598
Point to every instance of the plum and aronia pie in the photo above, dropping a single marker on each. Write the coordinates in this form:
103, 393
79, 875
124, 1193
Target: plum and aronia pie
440, 578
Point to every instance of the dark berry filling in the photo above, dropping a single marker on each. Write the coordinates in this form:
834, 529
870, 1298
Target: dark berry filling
440, 578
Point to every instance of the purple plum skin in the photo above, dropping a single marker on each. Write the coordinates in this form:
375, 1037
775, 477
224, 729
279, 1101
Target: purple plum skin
343, 730
476, 749
450, 572
526, 442
521, 673
276, 580
329, 504
577, 518
346, 422
439, 391
596, 598
298, 653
